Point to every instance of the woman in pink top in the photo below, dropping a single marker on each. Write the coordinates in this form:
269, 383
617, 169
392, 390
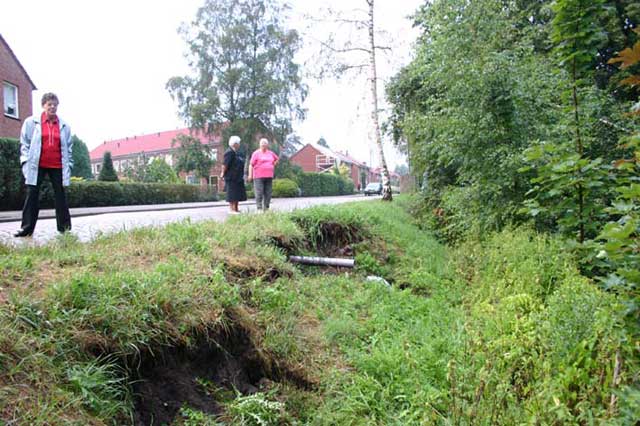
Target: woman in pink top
261, 167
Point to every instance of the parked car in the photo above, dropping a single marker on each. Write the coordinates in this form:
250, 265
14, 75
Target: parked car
373, 188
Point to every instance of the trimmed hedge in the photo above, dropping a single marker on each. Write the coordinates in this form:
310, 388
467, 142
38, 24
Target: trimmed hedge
101, 194
90, 193
323, 184
11, 180
285, 188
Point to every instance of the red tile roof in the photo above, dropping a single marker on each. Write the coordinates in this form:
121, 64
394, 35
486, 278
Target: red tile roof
154, 142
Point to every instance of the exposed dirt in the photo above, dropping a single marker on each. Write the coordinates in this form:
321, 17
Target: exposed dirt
197, 377
336, 239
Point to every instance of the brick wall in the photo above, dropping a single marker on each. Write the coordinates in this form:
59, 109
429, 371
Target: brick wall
306, 158
12, 72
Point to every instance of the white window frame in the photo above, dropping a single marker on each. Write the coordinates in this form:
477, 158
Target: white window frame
6, 85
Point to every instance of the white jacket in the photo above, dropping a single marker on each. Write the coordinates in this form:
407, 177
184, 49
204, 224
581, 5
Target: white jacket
31, 147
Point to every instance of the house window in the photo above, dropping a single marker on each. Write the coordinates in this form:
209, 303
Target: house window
213, 181
213, 154
192, 180
10, 94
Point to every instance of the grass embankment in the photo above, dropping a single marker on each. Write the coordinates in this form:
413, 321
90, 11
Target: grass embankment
504, 333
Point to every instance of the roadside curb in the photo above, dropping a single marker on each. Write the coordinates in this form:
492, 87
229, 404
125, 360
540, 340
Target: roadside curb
16, 215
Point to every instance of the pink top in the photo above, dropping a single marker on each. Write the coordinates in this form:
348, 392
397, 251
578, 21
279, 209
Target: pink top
263, 163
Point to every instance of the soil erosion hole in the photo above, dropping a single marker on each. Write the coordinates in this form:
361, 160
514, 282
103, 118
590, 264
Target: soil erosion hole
174, 377
335, 239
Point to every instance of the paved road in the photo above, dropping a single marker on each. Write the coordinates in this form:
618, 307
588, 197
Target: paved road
86, 227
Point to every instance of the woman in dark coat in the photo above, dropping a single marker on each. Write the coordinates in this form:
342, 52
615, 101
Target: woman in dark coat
233, 174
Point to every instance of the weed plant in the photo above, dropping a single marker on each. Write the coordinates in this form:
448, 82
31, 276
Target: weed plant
500, 333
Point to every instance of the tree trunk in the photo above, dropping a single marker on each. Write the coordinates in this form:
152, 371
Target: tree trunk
579, 148
386, 181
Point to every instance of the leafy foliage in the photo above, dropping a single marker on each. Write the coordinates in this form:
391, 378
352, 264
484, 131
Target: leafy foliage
323, 142
322, 184
156, 171
620, 247
97, 194
11, 179
283, 188
287, 170
192, 155
81, 159
477, 93
107, 172
244, 72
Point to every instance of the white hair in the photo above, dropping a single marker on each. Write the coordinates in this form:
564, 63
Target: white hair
264, 141
233, 140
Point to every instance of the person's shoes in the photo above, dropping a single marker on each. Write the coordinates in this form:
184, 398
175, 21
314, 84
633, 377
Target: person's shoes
22, 233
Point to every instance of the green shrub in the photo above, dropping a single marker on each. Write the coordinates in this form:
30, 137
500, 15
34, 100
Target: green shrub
542, 339
99, 194
90, 193
11, 180
323, 184
283, 188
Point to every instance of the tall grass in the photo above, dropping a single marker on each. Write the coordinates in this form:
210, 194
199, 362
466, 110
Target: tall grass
504, 332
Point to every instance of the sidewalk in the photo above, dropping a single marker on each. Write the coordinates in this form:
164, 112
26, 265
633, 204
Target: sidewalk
16, 215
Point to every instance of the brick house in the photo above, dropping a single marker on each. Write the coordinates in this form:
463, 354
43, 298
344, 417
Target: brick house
127, 151
15, 96
314, 158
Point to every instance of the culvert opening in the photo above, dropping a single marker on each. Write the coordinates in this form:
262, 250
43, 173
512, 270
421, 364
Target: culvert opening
334, 239
201, 377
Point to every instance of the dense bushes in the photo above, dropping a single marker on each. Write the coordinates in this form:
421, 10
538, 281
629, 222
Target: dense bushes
543, 343
90, 194
284, 188
11, 180
322, 184
96, 194
100, 194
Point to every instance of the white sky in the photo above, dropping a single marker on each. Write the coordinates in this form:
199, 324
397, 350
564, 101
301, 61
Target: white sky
109, 63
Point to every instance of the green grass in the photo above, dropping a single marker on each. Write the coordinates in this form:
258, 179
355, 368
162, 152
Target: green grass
503, 332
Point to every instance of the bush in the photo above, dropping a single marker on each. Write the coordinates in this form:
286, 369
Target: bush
99, 194
283, 188
323, 184
11, 180
90, 193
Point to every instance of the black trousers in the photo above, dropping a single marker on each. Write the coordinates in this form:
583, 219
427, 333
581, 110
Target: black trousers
31, 207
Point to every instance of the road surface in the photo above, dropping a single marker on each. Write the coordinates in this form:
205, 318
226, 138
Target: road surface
87, 227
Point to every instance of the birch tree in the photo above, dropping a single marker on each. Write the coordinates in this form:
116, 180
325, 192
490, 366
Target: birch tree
357, 54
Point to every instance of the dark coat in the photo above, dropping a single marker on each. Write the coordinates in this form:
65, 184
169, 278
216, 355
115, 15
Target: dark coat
234, 176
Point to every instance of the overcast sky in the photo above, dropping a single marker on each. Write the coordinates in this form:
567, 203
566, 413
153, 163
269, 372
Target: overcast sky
109, 63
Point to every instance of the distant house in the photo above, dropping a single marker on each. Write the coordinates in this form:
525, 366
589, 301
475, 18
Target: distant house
126, 152
15, 96
393, 177
314, 158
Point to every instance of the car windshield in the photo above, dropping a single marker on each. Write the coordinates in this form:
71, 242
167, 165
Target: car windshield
373, 186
